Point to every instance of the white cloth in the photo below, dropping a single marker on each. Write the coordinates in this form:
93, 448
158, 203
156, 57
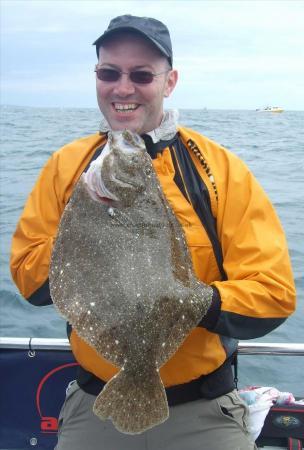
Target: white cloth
259, 401
166, 130
92, 177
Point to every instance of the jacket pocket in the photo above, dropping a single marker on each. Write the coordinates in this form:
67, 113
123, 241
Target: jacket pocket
234, 408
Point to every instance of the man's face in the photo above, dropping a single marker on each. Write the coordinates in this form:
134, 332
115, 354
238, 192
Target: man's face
142, 103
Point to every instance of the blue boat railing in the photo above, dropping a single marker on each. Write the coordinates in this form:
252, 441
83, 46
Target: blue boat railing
35, 373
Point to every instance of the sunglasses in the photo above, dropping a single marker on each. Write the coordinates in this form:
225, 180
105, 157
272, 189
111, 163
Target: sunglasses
136, 76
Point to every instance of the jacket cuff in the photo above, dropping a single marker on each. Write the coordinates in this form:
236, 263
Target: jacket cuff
209, 321
42, 296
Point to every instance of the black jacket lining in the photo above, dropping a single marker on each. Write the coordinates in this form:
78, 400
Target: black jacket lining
177, 177
158, 147
200, 199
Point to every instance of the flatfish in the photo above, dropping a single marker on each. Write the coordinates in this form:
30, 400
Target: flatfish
121, 274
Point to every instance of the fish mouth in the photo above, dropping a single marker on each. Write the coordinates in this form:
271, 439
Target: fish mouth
123, 183
107, 200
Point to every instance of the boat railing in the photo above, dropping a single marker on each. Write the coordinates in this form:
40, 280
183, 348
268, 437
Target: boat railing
37, 372
244, 348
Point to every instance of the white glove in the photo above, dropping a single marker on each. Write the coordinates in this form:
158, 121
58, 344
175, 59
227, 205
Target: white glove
93, 181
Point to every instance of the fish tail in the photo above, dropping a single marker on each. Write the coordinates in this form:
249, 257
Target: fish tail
133, 404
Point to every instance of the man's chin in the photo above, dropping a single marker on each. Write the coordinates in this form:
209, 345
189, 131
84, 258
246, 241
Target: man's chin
135, 128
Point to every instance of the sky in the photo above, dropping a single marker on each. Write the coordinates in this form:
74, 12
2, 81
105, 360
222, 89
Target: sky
230, 54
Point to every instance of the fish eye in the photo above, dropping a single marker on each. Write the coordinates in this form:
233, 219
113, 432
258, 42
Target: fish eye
135, 159
148, 170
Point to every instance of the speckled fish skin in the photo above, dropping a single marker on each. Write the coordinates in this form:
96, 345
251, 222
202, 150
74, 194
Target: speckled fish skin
123, 277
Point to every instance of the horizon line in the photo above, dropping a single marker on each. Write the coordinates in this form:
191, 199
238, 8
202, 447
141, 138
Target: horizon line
203, 108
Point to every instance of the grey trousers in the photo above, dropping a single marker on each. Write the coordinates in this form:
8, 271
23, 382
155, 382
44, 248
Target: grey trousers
219, 424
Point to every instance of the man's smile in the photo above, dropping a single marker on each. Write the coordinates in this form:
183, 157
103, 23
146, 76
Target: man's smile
125, 107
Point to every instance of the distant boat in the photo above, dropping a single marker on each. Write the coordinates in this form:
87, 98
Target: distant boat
273, 109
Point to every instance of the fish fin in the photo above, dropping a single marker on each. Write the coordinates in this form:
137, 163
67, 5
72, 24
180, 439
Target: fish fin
133, 404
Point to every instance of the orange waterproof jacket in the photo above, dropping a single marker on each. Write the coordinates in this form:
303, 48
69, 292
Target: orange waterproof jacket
259, 292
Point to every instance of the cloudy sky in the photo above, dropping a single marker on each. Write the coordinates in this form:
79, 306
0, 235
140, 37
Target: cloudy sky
230, 54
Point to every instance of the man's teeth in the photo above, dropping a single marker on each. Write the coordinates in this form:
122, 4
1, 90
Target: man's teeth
125, 107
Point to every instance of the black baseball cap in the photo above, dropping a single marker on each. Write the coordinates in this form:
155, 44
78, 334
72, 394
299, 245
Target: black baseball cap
152, 29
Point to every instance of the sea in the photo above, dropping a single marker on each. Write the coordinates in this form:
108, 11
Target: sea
272, 145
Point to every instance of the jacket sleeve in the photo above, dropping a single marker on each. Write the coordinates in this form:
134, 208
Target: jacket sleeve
259, 293
37, 227
33, 239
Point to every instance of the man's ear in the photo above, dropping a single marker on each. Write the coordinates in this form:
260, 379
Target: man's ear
171, 81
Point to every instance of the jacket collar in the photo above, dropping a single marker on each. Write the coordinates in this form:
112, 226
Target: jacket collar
155, 140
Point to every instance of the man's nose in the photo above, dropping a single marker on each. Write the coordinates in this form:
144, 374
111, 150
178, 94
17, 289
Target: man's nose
124, 86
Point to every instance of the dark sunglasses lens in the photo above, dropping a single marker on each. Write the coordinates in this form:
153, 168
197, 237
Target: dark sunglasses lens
108, 74
141, 77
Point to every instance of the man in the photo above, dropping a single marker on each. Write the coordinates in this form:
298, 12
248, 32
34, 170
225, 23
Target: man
234, 236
